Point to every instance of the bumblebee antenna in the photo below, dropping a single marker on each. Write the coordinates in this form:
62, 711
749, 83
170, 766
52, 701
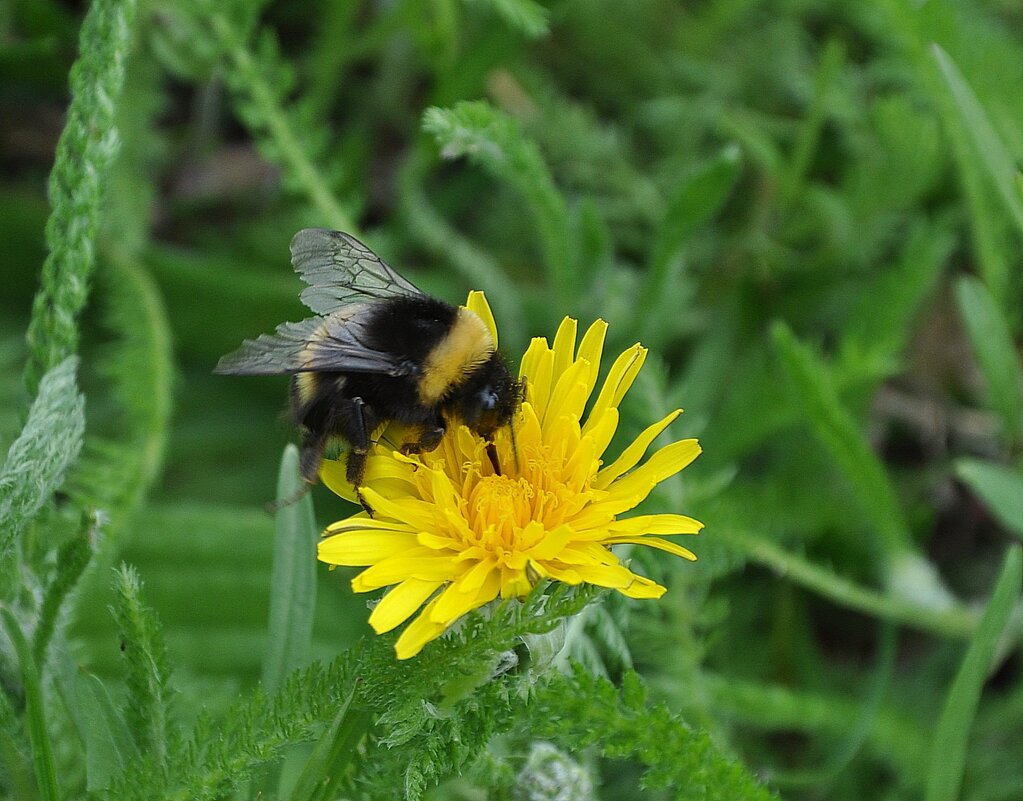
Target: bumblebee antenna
514, 443
511, 421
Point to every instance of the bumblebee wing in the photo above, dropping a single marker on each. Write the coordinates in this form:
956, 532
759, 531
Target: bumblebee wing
340, 270
318, 344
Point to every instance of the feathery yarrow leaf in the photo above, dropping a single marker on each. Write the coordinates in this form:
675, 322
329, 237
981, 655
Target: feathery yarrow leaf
145, 660
48, 444
85, 152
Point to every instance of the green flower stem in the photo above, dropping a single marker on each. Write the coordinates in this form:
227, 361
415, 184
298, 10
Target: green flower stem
42, 752
955, 622
277, 124
896, 739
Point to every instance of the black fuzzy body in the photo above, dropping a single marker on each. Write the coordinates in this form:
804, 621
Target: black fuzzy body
350, 406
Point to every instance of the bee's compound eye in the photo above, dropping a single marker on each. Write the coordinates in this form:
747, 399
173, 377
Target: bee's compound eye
488, 399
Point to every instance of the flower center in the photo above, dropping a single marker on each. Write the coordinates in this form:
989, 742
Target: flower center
499, 507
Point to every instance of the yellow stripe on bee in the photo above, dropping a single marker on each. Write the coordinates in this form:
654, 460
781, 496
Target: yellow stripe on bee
464, 348
305, 383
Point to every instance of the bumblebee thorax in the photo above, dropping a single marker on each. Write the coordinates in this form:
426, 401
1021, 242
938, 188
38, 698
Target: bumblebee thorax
467, 345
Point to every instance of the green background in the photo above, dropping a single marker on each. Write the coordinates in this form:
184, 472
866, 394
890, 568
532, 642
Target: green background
811, 213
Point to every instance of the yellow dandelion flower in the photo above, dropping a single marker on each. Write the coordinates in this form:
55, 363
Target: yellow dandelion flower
452, 531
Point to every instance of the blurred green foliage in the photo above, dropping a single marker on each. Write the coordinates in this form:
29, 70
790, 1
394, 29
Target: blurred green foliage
811, 211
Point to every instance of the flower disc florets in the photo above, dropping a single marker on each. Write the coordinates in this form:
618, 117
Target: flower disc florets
471, 521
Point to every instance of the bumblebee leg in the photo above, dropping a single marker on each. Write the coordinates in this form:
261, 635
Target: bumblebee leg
430, 435
357, 423
311, 455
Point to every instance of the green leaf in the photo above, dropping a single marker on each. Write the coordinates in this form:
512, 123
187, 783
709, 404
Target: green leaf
35, 710
987, 143
527, 16
581, 711
995, 350
108, 744
495, 141
1001, 488
835, 428
38, 459
293, 582
73, 558
145, 660
698, 199
325, 767
116, 470
260, 79
948, 751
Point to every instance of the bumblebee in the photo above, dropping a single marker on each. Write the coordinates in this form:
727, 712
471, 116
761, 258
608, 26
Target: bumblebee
378, 351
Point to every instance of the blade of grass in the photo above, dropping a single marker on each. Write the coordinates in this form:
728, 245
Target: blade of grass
35, 710
948, 750
696, 202
293, 581
834, 427
987, 143
108, 744
810, 130
999, 487
325, 768
995, 350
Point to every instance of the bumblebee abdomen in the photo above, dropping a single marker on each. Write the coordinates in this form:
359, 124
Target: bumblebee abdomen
312, 391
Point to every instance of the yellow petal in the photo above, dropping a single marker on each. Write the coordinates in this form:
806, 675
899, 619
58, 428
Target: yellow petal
437, 542
528, 431
591, 349
552, 543
654, 542
363, 522
601, 431
564, 346
474, 577
581, 465
615, 577
418, 562
643, 588
457, 600
620, 377
358, 549
665, 462
477, 303
570, 393
400, 603
656, 524
332, 474
411, 511
595, 516
563, 573
418, 633
633, 453
514, 583
537, 371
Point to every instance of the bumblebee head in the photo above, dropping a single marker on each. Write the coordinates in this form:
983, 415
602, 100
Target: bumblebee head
489, 398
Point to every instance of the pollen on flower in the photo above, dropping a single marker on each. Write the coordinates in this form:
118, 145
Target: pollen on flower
452, 530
